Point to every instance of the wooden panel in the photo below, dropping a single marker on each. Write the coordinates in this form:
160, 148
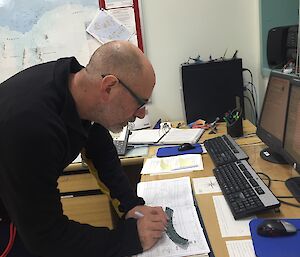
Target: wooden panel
94, 210
78, 182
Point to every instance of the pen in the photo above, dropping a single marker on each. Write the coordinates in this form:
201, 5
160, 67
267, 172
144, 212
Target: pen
138, 214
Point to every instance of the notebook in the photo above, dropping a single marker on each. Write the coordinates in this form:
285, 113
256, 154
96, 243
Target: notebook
171, 136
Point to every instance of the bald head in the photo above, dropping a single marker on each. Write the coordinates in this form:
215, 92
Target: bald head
114, 98
120, 58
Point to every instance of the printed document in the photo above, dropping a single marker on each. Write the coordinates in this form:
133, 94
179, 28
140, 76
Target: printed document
172, 164
105, 28
176, 194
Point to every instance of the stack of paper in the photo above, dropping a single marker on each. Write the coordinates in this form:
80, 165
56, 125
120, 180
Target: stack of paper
176, 194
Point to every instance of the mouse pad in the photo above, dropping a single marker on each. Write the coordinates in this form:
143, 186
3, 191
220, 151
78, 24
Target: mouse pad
283, 246
173, 150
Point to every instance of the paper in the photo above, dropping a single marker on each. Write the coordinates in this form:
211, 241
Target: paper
160, 136
206, 185
179, 163
179, 136
104, 27
78, 159
167, 192
117, 3
187, 225
176, 194
228, 225
145, 136
240, 248
125, 16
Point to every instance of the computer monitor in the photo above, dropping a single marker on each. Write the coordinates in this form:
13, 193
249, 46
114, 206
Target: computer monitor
291, 145
271, 125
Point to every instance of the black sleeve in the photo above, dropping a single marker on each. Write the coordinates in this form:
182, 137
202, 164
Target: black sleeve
30, 163
101, 150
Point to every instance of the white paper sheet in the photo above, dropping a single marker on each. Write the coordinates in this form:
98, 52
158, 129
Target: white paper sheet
117, 3
240, 248
179, 163
104, 27
206, 185
167, 192
228, 225
176, 194
187, 225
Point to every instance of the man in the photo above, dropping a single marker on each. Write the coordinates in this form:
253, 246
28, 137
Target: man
48, 114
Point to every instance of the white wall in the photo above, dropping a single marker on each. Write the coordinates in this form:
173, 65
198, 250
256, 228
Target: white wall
175, 30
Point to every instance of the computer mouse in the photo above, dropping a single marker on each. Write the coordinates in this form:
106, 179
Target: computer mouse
276, 227
185, 146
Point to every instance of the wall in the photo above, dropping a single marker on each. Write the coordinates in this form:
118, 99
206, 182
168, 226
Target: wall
174, 31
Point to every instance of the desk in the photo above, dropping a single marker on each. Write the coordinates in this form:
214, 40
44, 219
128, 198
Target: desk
92, 209
252, 145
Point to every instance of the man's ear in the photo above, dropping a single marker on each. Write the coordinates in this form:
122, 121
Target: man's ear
106, 85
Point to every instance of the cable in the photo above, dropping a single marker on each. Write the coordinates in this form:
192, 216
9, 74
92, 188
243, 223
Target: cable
291, 204
246, 97
12, 236
284, 202
254, 99
252, 92
254, 105
268, 178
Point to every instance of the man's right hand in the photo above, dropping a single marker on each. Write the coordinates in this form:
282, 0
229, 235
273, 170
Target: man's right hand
151, 226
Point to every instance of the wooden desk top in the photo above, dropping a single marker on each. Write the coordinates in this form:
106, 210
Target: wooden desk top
252, 145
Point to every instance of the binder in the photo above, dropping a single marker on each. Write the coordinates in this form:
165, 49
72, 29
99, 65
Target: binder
173, 151
283, 246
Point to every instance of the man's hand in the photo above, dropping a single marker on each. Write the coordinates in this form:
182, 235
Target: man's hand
151, 224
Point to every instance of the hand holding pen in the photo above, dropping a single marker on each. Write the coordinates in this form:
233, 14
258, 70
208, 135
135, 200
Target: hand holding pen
151, 224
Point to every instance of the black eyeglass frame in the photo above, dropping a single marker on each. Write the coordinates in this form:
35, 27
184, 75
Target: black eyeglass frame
141, 102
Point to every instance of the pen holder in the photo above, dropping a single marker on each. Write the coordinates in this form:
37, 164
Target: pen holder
235, 129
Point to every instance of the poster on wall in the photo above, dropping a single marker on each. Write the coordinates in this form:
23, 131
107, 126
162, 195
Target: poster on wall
37, 31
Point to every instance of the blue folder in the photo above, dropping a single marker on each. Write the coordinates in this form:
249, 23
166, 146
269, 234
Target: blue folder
173, 150
283, 246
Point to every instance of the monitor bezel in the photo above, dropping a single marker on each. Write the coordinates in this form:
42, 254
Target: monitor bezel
272, 142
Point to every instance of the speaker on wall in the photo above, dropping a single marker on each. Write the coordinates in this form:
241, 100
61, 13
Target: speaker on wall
210, 89
276, 46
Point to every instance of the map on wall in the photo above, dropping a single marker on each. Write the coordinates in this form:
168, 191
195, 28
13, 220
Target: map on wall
37, 31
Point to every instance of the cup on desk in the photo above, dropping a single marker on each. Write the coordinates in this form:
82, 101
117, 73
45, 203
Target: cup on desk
235, 128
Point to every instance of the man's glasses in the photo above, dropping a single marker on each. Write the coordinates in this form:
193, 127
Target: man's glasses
141, 102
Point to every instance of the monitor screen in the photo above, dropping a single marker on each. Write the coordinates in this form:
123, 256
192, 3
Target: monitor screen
271, 125
292, 134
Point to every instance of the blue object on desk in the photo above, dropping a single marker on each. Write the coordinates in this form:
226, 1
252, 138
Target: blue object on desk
173, 150
275, 246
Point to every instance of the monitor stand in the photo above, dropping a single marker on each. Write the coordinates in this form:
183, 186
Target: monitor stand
268, 155
293, 184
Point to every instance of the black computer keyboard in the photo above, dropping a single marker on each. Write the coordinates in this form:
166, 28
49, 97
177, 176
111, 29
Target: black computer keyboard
244, 191
224, 149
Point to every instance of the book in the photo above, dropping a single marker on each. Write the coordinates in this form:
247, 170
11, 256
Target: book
170, 136
177, 195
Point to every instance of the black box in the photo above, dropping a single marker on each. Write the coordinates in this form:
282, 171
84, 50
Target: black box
212, 88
